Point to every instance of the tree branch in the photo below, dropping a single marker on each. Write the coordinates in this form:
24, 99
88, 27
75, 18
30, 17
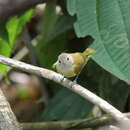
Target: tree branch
12, 7
7, 118
49, 74
72, 124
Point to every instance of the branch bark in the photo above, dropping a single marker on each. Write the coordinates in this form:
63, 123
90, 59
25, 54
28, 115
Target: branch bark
73, 124
7, 118
12, 7
49, 74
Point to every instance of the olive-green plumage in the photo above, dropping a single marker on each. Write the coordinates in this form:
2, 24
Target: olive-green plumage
70, 64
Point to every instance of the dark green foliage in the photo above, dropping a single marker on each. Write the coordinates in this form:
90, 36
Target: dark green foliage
67, 105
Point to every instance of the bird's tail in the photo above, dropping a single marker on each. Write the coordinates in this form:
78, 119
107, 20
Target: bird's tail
88, 52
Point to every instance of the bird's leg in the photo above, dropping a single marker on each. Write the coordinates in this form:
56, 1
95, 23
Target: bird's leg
75, 80
62, 78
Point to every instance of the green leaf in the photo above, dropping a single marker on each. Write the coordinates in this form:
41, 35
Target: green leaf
111, 88
25, 18
107, 21
4, 50
4, 46
12, 28
15, 25
3, 33
67, 105
117, 99
9, 32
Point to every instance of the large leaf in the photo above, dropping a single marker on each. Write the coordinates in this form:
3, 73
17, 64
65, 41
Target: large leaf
67, 105
118, 99
107, 21
111, 90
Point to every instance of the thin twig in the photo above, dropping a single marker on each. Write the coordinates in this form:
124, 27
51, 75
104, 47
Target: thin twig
49, 74
27, 41
21, 54
72, 124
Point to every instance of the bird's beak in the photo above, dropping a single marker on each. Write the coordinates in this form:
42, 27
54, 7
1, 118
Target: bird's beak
54, 65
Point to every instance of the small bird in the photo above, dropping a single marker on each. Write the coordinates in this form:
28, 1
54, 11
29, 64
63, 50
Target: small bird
71, 64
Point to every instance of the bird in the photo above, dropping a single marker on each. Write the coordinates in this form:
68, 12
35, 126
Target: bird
71, 64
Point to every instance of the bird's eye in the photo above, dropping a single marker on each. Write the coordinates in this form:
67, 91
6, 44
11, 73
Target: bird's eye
59, 61
67, 58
